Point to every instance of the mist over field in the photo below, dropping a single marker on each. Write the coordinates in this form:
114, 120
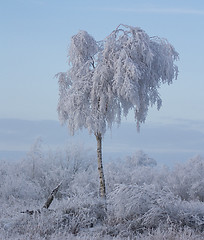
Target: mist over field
168, 143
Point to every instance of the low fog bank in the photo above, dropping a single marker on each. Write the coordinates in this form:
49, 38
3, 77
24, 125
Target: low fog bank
167, 143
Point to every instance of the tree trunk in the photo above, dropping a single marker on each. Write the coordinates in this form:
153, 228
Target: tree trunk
102, 190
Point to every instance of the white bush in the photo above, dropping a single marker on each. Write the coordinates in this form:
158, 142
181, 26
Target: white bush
187, 180
143, 201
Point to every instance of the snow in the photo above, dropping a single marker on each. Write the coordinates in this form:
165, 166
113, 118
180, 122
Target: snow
143, 200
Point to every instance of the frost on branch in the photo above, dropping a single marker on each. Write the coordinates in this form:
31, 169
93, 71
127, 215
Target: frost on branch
144, 201
106, 79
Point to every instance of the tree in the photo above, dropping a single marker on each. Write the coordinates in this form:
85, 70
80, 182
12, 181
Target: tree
106, 79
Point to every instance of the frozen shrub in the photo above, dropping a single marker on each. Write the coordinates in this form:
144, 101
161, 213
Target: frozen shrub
137, 169
82, 214
129, 204
140, 159
135, 208
168, 208
14, 184
171, 232
187, 180
143, 202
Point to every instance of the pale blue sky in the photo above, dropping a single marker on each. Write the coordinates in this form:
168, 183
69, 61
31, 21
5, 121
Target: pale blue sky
35, 34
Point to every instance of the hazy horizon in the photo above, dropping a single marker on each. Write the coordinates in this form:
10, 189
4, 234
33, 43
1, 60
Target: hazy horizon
166, 143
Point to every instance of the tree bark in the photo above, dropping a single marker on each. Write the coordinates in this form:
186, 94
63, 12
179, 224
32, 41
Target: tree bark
102, 189
51, 196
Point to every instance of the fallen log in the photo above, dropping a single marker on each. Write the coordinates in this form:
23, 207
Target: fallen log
47, 203
31, 212
51, 196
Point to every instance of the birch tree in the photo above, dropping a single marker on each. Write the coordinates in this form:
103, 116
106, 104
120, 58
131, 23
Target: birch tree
107, 79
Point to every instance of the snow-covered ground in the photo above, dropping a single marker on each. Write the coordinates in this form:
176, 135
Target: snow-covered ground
144, 200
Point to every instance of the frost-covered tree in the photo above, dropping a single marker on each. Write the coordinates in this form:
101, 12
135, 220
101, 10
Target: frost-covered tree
106, 79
